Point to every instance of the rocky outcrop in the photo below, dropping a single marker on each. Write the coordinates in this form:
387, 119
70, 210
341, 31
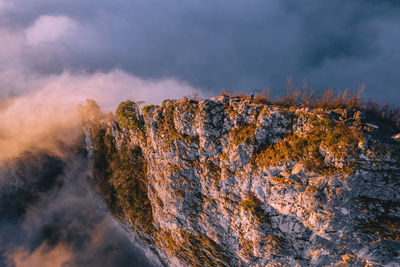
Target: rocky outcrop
232, 182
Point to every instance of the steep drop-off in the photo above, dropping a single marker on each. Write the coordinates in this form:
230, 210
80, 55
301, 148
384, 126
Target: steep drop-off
231, 182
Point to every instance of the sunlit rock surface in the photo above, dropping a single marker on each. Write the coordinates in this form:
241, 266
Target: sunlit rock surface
232, 182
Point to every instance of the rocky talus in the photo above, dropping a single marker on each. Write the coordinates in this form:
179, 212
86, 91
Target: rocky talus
231, 182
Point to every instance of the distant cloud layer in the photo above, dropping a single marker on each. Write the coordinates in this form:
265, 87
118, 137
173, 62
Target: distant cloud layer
211, 45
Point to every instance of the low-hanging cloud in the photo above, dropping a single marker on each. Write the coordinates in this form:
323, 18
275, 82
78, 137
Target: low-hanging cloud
43, 256
50, 216
47, 117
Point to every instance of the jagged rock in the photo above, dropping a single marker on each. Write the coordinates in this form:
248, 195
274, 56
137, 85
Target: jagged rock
235, 183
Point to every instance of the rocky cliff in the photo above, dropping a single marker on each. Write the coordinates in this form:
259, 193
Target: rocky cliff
231, 182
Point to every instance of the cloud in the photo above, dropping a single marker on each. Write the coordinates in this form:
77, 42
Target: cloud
110, 88
4, 4
50, 215
52, 30
42, 256
214, 45
46, 117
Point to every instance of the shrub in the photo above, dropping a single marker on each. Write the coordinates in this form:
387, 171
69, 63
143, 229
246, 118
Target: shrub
243, 134
226, 93
147, 109
264, 97
90, 113
165, 102
387, 113
128, 116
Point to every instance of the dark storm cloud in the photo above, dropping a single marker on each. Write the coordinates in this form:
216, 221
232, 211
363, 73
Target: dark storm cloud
217, 45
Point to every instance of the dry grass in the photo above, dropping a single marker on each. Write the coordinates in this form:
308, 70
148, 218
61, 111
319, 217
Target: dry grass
264, 97
329, 99
274, 242
193, 249
243, 134
240, 95
309, 98
337, 138
388, 113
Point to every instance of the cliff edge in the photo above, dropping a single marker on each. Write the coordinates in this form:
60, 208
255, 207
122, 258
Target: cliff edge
232, 182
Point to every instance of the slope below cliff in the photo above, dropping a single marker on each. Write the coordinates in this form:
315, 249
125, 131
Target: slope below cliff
231, 182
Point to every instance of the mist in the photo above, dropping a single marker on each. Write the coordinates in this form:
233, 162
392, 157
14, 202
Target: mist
51, 213
47, 117
50, 216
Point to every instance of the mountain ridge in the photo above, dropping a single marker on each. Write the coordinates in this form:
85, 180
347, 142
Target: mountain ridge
229, 181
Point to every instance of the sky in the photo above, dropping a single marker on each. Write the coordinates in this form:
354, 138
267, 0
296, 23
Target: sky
204, 46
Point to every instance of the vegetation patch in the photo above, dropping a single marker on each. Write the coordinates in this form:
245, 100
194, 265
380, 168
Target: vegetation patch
166, 125
121, 177
227, 171
128, 116
385, 226
194, 249
188, 105
147, 109
243, 134
347, 99
174, 169
337, 138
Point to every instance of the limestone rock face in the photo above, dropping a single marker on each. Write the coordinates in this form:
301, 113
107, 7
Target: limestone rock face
232, 182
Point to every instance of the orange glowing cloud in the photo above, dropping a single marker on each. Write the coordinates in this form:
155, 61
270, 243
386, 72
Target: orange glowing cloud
44, 256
